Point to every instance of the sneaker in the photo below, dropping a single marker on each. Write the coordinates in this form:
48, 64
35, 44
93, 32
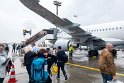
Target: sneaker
58, 77
66, 77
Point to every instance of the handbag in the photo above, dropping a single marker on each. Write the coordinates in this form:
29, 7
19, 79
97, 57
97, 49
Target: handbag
54, 69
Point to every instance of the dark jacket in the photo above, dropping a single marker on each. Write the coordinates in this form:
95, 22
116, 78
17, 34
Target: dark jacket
28, 58
60, 55
51, 59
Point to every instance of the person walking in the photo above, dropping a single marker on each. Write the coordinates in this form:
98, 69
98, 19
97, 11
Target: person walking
13, 47
39, 72
28, 58
71, 50
3, 59
106, 64
60, 63
18, 49
51, 59
7, 49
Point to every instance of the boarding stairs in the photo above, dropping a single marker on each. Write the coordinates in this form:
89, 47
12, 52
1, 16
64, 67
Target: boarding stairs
34, 38
45, 34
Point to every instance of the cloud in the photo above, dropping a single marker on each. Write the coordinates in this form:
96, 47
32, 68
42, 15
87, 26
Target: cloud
14, 16
94, 11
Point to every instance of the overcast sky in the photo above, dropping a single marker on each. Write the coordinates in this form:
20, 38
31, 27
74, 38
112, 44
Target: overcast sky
14, 16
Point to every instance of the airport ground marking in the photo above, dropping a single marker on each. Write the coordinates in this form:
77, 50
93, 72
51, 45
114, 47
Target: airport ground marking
86, 67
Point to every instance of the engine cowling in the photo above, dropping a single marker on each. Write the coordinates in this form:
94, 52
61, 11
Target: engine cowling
64, 43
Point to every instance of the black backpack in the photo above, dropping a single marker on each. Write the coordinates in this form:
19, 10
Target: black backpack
65, 58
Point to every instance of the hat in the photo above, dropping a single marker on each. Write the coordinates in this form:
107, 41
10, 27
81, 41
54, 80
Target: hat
35, 49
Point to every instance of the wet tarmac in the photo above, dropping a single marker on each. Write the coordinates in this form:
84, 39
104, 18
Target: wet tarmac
80, 70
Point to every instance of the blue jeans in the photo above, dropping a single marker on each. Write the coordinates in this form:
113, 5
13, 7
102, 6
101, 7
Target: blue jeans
106, 77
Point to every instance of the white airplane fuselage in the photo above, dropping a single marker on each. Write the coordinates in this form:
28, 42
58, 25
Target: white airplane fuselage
113, 30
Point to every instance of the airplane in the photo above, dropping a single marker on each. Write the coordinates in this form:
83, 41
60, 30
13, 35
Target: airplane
93, 36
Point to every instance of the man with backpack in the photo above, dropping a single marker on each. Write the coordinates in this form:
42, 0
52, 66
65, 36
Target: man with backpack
39, 72
61, 62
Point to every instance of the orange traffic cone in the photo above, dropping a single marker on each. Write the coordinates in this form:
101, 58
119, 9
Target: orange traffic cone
12, 78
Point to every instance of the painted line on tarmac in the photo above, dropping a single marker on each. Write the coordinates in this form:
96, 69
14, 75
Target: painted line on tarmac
89, 68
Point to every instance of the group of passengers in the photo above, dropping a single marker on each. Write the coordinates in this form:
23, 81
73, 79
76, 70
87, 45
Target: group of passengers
17, 48
39, 61
44, 58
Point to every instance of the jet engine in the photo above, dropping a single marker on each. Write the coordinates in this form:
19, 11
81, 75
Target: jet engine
64, 43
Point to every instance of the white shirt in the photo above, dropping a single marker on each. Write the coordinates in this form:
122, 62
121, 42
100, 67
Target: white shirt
54, 52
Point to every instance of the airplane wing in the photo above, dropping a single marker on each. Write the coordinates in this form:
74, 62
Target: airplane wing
73, 29
46, 14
